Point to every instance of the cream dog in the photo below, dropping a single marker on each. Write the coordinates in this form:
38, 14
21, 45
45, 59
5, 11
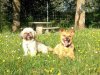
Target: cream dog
30, 45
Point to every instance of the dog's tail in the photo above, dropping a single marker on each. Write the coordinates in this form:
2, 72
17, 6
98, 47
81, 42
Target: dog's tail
50, 49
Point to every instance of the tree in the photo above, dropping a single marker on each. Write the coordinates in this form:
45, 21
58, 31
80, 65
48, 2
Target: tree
80, 14
16, 15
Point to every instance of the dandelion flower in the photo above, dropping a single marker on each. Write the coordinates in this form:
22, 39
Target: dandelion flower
3, 60
46, 70
8, 70
59, 73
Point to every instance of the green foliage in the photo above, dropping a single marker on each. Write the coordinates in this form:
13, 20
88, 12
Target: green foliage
65, 24
30, 19
92, 5
92, 20
36, 10
63, 5
87, 52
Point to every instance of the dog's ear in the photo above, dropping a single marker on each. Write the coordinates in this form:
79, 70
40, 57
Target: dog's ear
34, 34
61, 30
21, 34
72, 31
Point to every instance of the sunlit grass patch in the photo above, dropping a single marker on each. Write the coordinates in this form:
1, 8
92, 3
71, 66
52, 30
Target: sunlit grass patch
87, 52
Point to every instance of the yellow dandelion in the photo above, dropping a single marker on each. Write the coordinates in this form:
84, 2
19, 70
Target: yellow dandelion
51, 70
59, 73
46, 70
3, 60
48, 55
8, 70
99, 40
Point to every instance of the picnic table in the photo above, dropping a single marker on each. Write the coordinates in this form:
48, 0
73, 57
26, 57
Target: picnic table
40, 26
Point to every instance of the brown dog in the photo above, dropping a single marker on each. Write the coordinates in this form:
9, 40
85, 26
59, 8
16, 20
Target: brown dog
66, 47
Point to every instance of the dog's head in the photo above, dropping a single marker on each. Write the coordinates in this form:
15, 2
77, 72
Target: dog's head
28, 34
66, 36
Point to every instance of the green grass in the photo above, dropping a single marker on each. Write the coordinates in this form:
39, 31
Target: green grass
87, 52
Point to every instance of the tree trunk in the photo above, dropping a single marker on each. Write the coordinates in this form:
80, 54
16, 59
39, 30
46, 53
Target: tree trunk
80, 15
16, 15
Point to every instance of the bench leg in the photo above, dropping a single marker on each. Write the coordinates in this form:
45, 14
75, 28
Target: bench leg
39, 30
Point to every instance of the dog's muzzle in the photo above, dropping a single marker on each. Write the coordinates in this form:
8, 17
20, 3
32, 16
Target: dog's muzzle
28, 36
66, 42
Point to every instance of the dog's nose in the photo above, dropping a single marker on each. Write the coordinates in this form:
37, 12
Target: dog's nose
27, 33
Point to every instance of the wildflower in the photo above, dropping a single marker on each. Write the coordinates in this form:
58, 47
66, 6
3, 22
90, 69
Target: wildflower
59, 73
79, 50
18, 58
18, 49
46, 70
13, 51
20, 43
3, 60
6, 36
7, 45
51, 70
96, 52
48, 55
89, 69
87, 65
8, 70
54, 60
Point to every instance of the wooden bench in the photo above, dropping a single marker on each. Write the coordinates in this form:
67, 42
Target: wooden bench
42, 26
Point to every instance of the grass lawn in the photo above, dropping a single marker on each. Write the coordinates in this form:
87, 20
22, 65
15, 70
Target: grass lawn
87, 52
